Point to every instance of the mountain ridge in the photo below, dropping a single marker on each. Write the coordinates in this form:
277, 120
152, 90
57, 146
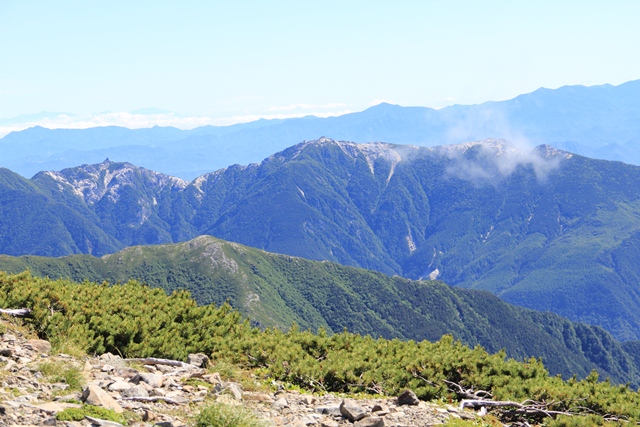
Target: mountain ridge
541, 228
596, 121
278, 290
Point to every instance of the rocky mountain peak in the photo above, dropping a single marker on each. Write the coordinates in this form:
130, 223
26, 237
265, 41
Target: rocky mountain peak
93, 182
324, 140
548, 151
371, 151
498, 147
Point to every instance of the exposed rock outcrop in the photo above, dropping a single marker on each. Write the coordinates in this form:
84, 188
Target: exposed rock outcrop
169, 396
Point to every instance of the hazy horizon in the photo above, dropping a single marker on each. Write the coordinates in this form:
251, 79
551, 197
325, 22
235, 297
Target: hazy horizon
231, 62
150, 117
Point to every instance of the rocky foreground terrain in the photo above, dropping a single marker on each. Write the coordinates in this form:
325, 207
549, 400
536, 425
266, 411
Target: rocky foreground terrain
41, 387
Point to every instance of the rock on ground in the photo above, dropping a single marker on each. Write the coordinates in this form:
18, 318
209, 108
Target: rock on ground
170, 396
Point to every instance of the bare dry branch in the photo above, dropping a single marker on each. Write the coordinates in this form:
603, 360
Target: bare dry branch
17, 312
468, 393
156, 361
154, 399
416, 375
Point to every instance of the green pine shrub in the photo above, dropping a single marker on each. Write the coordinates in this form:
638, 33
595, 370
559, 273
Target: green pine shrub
137, 321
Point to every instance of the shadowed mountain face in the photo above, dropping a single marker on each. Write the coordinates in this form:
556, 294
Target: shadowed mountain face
598, 121
540, 228
277, 290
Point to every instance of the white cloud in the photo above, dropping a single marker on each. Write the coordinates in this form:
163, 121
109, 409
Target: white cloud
129, 120
497, 159
137, 121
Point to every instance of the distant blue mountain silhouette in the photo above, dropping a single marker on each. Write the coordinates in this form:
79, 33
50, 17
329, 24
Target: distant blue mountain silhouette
597, 121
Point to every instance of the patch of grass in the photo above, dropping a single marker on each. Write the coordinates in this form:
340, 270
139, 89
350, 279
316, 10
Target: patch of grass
63, 372
78, 414
195, 382
16, 326
227, 371
138, 366
250, 382
68, 347
488, 421
220, 415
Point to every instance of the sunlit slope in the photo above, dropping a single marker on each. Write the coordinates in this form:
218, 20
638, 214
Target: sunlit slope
31, 221
277, 290
541, 228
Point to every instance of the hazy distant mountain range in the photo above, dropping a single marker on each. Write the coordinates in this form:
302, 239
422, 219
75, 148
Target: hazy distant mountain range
545, 229
598, 121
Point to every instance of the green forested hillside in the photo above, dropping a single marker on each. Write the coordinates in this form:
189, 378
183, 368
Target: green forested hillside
543, 229
136, 321
33, 222
278, 290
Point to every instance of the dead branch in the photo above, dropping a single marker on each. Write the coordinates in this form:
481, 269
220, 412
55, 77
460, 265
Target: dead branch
154, 399
156, 361
420, 377
536, 408
492, 403
510, 410
468, 393
17, 312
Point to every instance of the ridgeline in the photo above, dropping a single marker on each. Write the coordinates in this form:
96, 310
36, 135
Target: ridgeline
278, 291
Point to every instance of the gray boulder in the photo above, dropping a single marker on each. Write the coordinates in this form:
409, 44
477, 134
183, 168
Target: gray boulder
135, 391
200, 360
408, 398
352, 411
94, 395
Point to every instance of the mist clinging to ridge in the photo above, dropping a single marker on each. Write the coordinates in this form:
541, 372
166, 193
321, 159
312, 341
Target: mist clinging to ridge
490, 161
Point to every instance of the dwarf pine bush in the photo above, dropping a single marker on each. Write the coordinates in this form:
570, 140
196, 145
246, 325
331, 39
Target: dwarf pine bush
137, 321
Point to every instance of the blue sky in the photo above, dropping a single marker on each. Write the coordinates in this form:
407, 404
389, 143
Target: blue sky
227, 61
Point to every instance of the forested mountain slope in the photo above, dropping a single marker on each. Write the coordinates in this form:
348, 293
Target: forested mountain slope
544, 228
277, 290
